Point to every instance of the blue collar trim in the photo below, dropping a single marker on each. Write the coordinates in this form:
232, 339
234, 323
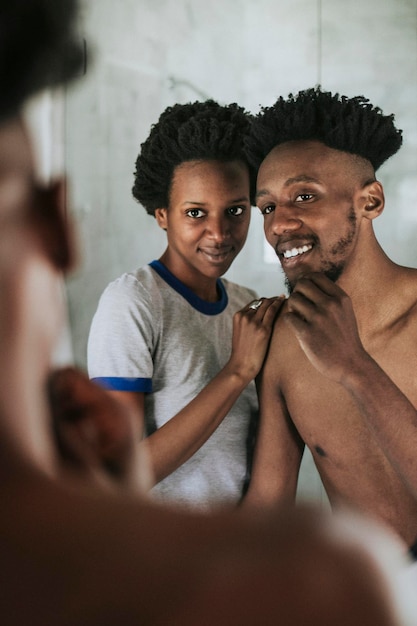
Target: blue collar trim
208, 308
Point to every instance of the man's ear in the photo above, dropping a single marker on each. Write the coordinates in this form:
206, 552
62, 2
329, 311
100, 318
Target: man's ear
372, 200
161, 218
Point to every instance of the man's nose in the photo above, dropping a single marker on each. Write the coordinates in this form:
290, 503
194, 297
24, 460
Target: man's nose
54, 229
284, 221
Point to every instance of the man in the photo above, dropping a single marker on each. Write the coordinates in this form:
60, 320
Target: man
339, 377
89, 551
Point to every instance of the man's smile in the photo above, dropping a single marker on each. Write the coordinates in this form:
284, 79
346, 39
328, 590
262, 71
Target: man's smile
293, 252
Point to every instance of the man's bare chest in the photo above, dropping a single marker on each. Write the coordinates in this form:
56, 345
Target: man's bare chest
324, 413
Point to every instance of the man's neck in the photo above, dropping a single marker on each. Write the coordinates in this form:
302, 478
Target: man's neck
372, 283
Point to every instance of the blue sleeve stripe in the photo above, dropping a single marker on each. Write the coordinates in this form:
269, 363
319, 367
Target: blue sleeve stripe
116, 383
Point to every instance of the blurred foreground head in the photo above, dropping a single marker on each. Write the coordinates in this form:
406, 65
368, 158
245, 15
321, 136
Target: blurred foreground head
39, 48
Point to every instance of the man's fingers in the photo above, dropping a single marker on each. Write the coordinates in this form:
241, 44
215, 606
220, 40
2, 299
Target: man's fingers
315, 284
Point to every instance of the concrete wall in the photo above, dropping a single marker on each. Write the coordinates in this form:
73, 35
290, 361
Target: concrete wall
144, 55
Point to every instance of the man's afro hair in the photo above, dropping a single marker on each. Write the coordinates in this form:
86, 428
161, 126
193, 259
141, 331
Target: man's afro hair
187, 132
349, 124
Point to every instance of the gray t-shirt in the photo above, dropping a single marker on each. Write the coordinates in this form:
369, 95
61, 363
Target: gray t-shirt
152, 334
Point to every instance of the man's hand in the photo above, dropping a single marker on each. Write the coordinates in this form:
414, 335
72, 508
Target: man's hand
96, 434
322, 318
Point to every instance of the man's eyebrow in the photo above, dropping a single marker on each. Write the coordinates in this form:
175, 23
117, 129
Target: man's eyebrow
261, 192
302, 178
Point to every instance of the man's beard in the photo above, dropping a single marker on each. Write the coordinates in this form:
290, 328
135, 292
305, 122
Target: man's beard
333, 270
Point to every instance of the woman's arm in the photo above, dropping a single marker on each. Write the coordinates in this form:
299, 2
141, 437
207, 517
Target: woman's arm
177, 440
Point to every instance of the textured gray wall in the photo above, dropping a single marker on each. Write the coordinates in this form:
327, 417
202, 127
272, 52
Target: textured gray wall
148, 54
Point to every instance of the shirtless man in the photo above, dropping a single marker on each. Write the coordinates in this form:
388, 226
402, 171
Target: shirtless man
342, 356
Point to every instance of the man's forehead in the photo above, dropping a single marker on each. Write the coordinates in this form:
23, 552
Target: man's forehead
15, 149
300, 149
304, 160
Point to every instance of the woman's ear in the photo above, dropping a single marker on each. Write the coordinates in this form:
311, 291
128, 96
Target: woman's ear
161, 218
372, 200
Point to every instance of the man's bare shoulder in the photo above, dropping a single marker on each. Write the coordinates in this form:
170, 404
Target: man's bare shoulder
283, 343
405, 298
408, 277
280, 327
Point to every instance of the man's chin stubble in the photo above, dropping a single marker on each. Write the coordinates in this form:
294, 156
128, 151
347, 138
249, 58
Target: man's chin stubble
333, 272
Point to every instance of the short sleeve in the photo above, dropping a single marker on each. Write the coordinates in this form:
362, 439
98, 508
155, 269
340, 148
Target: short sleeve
122, 335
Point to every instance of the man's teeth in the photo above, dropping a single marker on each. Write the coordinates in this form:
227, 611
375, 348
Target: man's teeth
289, 254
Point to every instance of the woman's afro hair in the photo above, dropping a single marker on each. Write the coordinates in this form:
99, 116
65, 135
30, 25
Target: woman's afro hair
188, 132
349, 124
39, 48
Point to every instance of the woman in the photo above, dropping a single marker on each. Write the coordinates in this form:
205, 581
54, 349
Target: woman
174, 341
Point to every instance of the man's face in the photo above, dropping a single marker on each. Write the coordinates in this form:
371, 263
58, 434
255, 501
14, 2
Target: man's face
27, 206
16, 173
34, 249
305, 192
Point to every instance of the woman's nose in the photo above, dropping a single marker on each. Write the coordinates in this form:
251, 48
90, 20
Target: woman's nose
219, 229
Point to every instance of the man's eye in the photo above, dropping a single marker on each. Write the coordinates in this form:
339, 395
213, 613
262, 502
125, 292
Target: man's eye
266, 210
235, 210
196, 213
304, 197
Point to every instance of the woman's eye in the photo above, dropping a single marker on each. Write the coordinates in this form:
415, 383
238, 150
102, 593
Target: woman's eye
304, 197
196, 213
266, 210
235, 210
